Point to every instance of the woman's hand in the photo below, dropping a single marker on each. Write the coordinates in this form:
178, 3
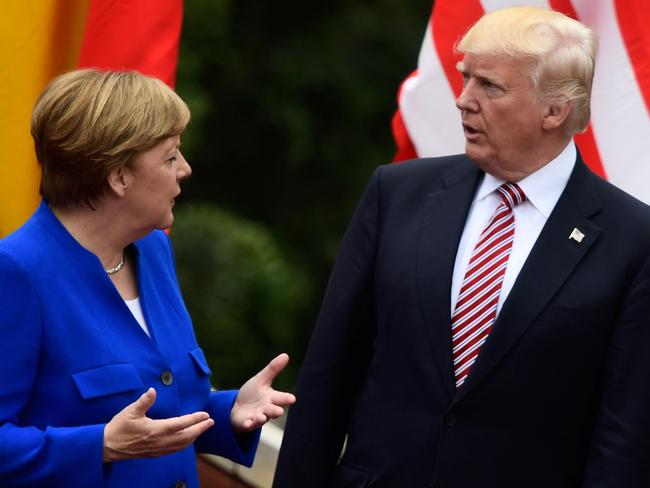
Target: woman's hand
131, 434
257, 401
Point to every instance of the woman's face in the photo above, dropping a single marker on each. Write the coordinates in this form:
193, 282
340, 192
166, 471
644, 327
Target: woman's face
155, 183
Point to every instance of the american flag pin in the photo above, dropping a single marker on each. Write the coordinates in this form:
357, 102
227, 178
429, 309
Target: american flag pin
576, 235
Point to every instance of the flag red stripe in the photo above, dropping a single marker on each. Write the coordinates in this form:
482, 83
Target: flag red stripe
450, 19
140, 35
633, 18
586, 142
405, 147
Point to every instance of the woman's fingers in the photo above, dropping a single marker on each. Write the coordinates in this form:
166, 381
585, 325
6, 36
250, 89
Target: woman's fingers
282, 398
140, 407
131, 434
274, 368
176, 424
183, 438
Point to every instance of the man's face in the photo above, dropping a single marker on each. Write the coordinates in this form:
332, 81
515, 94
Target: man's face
501, 115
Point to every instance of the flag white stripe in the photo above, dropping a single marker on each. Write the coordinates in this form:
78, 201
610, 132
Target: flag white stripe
620, 120
430, 93
619, 116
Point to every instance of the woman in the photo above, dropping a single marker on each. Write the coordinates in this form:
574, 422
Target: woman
103, 381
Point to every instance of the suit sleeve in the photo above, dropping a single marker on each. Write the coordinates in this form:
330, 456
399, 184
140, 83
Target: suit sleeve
337, 358
620, 451
221, 439
35, 455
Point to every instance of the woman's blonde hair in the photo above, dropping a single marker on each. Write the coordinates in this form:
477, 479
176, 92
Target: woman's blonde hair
89, 122
562, 49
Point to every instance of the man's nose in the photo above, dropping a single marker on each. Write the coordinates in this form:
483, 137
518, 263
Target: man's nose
466, 100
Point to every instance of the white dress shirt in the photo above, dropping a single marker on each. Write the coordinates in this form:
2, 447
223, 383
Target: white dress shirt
136, 309
543, 189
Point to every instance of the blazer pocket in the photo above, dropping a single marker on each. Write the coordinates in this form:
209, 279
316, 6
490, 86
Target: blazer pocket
350, 476
200, 361
570, 315
107, 380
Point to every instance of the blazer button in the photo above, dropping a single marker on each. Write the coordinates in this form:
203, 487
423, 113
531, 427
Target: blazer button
450, 420
180, 484
167, 378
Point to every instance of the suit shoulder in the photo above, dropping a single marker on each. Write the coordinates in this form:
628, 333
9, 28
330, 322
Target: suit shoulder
417, 168
424, 172
30, 241
618, 201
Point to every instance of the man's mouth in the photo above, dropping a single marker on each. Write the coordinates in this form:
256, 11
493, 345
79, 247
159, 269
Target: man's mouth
470, 132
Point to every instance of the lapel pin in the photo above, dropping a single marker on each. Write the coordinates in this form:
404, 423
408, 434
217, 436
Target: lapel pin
576, 235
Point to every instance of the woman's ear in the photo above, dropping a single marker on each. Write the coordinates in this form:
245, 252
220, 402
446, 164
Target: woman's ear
119, 179
556, 115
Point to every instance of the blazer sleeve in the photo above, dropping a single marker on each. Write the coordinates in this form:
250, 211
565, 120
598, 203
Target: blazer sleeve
31, 455
620, 451
338, 355
221, 439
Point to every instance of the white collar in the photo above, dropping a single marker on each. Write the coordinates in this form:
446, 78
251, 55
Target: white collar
543, 187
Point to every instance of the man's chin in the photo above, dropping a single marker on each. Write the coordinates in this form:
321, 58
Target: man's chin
473, 152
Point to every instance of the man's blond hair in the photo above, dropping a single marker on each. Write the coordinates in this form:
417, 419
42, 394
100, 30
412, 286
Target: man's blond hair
562, 49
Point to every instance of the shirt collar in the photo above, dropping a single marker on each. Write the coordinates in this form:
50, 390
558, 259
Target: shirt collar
543, 187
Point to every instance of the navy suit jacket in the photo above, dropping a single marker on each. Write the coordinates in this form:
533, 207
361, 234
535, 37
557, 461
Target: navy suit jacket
560, 394
72, 356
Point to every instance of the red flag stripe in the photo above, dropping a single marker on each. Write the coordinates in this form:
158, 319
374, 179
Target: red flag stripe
140, 35
620, 121
633, 19
405, 148
450, 20
585, 141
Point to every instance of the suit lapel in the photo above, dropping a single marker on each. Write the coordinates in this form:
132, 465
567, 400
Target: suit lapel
551, 261
440, 231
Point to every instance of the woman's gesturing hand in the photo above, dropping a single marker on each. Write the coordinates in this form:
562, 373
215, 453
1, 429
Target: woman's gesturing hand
257, 401
131, 434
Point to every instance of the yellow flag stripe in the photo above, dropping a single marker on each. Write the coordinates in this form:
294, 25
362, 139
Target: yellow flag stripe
38, 39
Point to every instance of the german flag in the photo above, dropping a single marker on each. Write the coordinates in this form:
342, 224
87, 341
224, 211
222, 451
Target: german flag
43, 38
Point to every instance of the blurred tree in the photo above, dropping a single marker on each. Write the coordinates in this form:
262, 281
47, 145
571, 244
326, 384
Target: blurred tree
243, 295
291, 105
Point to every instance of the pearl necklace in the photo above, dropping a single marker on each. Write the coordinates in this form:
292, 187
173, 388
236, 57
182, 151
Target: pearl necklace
116, 268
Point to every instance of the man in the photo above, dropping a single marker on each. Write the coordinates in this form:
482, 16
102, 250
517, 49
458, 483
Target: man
483, 334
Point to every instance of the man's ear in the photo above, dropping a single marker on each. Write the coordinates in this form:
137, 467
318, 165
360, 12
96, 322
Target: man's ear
119, 179
556, 115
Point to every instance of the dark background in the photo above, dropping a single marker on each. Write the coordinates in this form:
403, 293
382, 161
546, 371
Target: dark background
291, 104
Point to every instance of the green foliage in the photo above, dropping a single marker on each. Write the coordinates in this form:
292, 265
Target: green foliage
291, 106
243, 296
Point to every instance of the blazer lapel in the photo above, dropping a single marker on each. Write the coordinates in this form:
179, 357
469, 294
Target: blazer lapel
551, 261
440, 232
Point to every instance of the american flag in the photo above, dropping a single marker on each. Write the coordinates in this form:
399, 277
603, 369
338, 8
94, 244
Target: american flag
615, 145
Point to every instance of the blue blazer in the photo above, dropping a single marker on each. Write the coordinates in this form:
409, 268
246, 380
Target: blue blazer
72, 356
560, 393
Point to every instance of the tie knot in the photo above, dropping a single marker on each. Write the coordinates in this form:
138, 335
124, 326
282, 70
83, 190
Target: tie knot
511, 194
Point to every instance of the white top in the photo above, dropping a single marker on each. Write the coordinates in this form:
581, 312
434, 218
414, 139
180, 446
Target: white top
543, 189
136, 310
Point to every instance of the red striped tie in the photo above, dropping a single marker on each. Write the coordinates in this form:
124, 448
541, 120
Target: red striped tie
476, 308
